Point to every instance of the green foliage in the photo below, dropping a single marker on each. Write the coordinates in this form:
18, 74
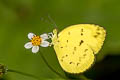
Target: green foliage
19, 17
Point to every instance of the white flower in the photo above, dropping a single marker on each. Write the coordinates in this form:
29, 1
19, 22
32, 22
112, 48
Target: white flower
36, 42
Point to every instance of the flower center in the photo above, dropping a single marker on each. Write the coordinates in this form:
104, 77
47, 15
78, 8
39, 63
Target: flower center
36, 40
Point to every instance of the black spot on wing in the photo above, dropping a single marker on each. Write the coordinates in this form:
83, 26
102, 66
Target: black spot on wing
69, 33
78, 64
84, 55
82, 30
67, 41
73, 53
81, 42
61, 47
81, 34
85, 50
61, 60
66, 55
70, 62
58, 41
95, 36
98, 29
98, 33
75, 48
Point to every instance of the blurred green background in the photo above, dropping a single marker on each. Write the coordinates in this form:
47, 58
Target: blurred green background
19, 17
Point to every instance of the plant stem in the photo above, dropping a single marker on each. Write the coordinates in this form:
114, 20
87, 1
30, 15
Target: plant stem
50, 66
22, 73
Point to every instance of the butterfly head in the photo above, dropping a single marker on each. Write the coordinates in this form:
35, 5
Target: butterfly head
54, 36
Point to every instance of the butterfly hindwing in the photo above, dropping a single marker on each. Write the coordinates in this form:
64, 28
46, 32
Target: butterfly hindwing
74, 59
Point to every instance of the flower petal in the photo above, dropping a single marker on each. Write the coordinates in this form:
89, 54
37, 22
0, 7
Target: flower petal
44, 43
31, 35
28, 45
35, 49
44, 36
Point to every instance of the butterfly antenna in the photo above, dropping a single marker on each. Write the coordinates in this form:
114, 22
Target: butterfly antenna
46, 21
52, 21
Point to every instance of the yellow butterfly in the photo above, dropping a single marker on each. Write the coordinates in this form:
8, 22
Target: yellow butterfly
76, 46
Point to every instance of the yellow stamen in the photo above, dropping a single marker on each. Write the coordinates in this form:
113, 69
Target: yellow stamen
36, 40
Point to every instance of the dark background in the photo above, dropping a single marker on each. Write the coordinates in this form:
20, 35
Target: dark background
19, 17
